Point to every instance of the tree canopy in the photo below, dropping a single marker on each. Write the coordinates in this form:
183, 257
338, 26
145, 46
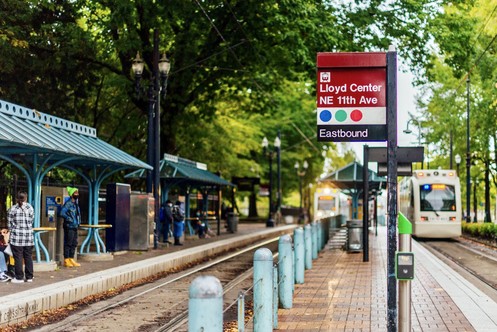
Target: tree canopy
240, 69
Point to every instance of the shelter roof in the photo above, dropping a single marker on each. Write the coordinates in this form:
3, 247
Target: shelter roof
25, 131
349, 178
180, 171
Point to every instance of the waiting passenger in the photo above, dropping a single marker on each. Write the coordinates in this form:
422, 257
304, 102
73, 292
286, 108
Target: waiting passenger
20, 218
72, 219
166, 219
179, 225
200, 225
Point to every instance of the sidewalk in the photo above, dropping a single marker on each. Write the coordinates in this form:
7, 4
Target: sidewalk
343, 293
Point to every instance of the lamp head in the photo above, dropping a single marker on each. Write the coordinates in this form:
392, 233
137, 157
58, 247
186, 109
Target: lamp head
164, 65
277, 142
265, 142
458, 159
306, 164
297, 165
137, 65
407, 131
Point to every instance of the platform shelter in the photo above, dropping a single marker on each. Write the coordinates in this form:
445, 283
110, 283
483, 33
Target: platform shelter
349, 179
187, 175
36, 142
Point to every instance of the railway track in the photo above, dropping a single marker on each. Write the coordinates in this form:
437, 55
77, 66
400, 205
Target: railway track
162, 305
476, 259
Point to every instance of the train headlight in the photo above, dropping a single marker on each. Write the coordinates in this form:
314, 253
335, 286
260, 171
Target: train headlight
452, 218
424, 218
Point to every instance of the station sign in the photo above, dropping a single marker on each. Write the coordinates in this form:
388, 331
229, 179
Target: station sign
351, 97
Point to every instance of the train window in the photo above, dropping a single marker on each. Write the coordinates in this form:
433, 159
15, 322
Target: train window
437, 197
327, 203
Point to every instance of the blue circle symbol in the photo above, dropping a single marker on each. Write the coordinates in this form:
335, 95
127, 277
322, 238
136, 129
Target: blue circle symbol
325, 116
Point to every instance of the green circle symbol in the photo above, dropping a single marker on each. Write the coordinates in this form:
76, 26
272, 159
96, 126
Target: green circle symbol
341, 115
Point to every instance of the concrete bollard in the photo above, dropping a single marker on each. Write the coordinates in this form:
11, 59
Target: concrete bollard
263, 286
314, 240
285, 272
308, 246
205, 305
275, 298
298, 236
319, 235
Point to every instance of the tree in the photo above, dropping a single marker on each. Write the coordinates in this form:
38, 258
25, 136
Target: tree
233, 62
466, 54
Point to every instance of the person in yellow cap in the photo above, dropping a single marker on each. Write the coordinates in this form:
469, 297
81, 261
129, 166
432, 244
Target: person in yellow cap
72, 218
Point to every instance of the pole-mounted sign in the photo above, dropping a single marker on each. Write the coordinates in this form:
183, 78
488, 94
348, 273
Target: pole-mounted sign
351, 97
357, 102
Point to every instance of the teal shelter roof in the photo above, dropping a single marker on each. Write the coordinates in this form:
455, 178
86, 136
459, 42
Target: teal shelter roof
27, 131
349, 179
179, 171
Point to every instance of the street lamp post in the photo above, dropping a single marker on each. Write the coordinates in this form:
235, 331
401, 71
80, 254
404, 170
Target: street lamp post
277, 145
409, 131
269, 153
475, 201
301, 174
468, 156
458, 162
159, 71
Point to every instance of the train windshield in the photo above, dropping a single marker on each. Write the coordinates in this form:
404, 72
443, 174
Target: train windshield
437, 197
326, 203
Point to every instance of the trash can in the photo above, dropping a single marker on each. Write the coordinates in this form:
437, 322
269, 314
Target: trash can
232, 222
354, 235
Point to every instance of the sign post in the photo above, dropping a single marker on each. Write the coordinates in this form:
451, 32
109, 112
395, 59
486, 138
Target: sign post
357, 102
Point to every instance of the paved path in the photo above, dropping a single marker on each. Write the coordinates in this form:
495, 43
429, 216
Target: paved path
343, 293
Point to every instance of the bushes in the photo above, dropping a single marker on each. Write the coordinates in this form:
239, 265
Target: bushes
487, 231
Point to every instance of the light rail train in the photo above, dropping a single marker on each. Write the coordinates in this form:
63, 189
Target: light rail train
431, 200
329, 202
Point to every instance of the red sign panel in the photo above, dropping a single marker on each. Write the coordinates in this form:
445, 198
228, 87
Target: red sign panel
351, 97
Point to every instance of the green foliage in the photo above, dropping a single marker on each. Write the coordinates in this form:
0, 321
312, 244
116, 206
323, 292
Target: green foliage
487, 231
241, 70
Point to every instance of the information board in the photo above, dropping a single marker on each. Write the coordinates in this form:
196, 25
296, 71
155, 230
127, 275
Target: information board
351, 97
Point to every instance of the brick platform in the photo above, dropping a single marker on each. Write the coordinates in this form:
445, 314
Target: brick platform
343, 293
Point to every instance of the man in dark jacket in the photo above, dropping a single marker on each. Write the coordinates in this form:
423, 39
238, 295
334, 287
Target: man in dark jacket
166, 218
72, 218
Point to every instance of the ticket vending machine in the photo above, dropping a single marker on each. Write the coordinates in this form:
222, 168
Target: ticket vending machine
52, 200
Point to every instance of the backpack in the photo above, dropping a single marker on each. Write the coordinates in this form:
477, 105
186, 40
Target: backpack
177, 215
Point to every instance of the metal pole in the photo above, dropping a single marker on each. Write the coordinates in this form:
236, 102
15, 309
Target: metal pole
150, 136
451, 147
156, 152
405, 289
392, 189
270, 221
301, 212
475, 202
468, 156
365, 204
278, 156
